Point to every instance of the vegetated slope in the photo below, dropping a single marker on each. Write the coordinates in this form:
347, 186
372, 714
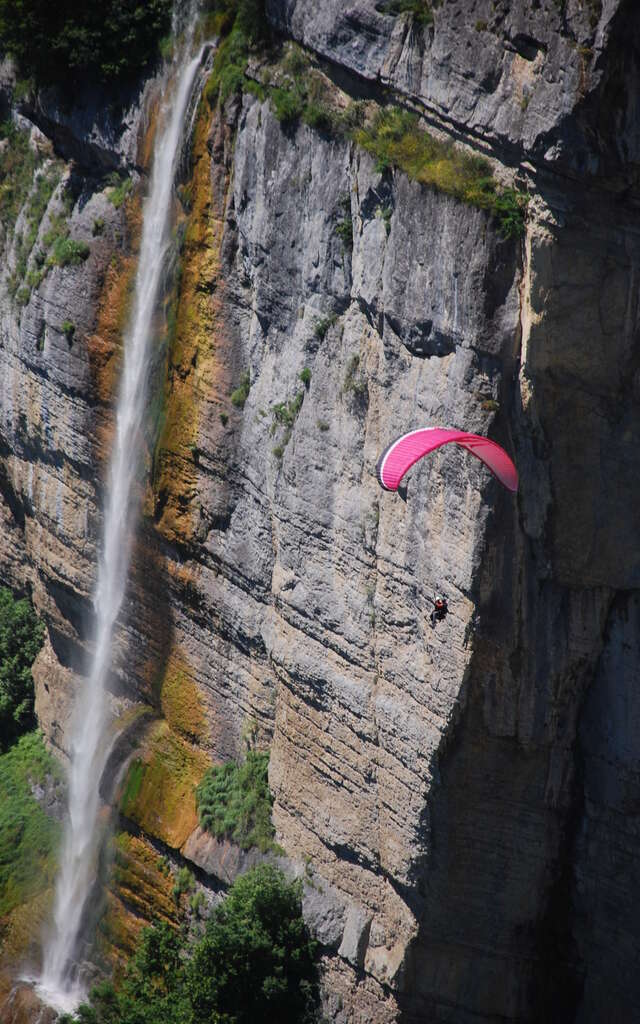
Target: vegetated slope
66, 45
461, 793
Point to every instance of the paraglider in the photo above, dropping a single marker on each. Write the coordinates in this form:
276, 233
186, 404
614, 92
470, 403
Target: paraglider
407, 449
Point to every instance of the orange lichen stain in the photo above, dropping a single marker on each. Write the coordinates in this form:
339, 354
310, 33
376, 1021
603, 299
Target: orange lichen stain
114, 309
150, 128
183, 574
159, 791
151, 593
168, 680
105, 345
140, 891
180, 700
190, 351
6, 985
118, 932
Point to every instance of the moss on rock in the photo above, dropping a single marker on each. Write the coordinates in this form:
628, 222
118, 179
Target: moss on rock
28, 842
140, 892
180, 700
159, 791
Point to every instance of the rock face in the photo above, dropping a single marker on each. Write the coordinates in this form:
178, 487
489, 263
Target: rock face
530, 80
466, 795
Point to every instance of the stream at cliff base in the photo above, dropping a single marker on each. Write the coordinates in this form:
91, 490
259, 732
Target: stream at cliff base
60, 985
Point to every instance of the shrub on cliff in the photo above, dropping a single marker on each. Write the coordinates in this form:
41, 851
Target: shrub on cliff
21, 636
255, 962
243, 24
64, 41
420, 10
28, 837
234, 802
17, 165
395, 138
241, 393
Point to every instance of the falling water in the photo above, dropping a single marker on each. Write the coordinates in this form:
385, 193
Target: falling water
59, 984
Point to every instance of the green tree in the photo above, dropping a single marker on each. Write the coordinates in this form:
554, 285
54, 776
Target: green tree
153, 989
256, 960
29, 838
254, 963
66, 40
21, 636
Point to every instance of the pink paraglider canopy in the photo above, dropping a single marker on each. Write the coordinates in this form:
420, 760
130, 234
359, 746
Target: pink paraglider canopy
402, 453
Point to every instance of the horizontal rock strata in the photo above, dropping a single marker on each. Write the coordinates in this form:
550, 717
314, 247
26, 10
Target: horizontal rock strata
464, 796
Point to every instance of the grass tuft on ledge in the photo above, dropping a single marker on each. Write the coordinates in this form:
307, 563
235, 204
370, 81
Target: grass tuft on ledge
241, 393
395, 139
234, 802
18, 163
420, 10
299, 91
67, 252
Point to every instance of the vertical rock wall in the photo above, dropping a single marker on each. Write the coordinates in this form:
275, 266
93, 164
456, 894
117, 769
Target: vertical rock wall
464, 796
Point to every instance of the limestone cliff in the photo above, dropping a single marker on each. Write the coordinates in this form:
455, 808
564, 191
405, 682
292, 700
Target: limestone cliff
464, 798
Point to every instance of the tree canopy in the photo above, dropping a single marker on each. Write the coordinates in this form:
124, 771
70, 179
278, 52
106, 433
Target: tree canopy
63, 41
255, 962
21, 635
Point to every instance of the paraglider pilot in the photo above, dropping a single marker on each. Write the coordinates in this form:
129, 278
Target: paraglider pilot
406, 450
440, 609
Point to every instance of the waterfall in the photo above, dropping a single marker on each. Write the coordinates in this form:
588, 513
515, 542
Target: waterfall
59, 984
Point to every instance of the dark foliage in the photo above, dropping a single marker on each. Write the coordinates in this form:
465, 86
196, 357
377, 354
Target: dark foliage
62, 41
21, 635
255, 962
246, 16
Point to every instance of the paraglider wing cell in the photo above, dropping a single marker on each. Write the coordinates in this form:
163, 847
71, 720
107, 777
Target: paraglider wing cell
406, 450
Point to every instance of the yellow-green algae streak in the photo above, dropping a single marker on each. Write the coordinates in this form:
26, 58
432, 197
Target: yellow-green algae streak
159, 791
140, 893
180, 700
